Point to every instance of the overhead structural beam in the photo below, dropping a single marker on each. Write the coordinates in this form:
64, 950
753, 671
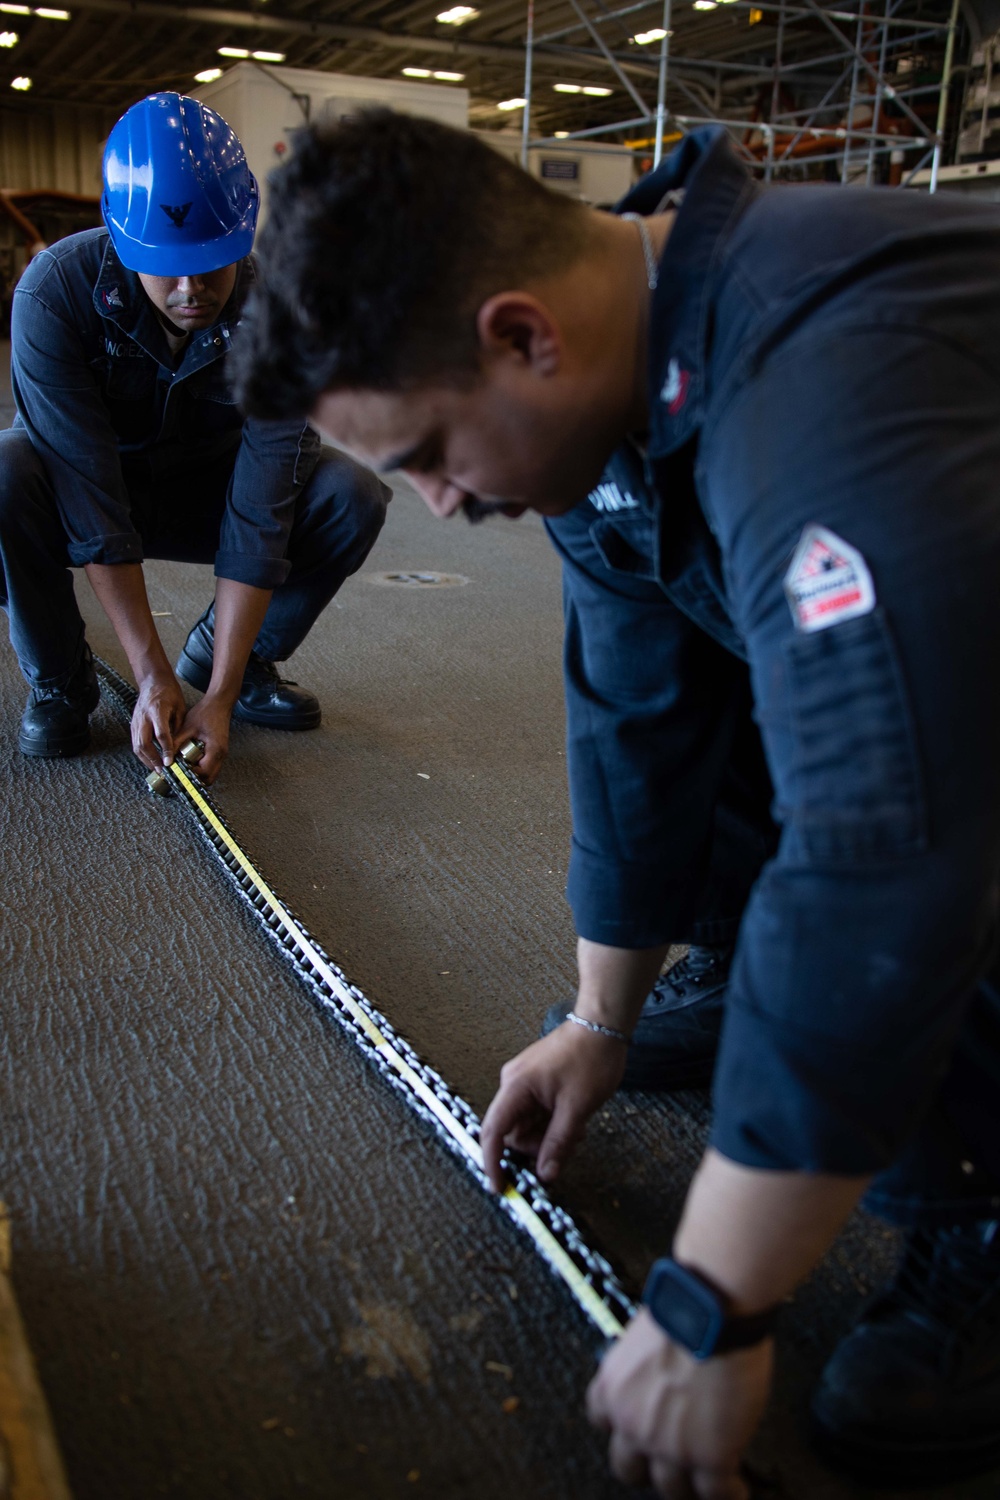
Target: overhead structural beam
368, 35
245, 20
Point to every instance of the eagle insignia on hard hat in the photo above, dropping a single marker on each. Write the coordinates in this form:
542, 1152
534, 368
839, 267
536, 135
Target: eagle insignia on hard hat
178, 214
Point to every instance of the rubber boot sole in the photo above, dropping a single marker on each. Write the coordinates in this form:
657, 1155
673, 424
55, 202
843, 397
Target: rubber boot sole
54, 747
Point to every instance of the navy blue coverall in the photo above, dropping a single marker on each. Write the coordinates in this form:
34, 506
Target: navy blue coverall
120, 452
824, 364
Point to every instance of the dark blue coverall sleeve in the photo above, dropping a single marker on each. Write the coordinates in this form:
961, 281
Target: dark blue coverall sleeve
274, 461
651, 707
63, 408
866, 933
60, 404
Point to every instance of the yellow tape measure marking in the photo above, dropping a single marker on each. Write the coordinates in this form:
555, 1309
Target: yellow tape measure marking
547, 1243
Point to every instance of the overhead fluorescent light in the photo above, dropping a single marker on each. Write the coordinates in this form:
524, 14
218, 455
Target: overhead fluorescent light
706, 4
209, 75
233, 51
568, 88
457, 16
8, 38
643, 38
275, 57
512, 103
417, 72
21, 84
595, 92
561, 135
51, 15
16, 10
448, 77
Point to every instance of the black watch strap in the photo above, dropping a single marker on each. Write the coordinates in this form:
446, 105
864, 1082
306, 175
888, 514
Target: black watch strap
695, 1314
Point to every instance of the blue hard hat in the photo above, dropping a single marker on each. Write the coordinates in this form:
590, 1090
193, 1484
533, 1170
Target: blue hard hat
179, 198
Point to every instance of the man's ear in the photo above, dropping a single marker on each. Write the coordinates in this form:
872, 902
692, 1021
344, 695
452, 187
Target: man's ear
518, 325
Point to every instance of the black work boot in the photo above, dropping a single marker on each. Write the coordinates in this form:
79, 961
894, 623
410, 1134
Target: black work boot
56, 720
674, 1044
265, 698
912, 1395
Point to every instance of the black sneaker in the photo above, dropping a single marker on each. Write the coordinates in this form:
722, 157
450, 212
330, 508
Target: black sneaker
912, 1396
674, 1044
265, 697
56, 720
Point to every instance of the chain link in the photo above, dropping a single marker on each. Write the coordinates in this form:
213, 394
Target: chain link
595, 1268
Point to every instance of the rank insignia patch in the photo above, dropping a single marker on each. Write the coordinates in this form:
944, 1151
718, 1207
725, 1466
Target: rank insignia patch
827, 582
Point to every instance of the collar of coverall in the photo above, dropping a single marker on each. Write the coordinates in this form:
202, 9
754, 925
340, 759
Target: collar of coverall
118, 295
712, 187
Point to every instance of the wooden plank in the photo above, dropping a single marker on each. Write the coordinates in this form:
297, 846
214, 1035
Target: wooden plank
30, 1465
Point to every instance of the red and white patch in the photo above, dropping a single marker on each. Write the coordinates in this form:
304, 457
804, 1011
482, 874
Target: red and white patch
828, 581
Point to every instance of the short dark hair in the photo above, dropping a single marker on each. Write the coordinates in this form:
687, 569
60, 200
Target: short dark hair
385, 235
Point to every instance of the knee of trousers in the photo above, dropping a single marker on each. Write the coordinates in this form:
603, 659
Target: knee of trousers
23, 480
344, 494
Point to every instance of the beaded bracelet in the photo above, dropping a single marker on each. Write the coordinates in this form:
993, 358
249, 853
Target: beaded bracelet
595, 1026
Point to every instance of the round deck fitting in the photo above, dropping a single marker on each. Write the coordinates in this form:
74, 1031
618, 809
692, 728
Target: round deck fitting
421, 579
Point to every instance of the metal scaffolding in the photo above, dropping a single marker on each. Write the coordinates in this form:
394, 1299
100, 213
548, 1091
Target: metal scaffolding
850, 107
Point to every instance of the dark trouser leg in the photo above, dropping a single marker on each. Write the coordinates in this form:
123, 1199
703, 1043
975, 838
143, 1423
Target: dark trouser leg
337, 520
36, 586
675, 1041
949, 1172
677, 1035
911, 1396
744, 837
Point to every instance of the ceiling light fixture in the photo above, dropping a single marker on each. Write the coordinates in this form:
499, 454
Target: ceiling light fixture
275, 57
562, 135
643, 38
512, 103
21, 84
209, 75
706, 4
568, 88
51, 15
457, 16
233, 51
449, 77
595, 92
417, 72
16, 10
8, 38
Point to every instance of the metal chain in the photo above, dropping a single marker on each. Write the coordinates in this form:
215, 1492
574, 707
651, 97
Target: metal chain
595, 1269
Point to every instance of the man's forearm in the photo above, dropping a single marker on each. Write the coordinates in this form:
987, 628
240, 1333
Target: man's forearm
614, 982
121, 590
239, 613
756, 1234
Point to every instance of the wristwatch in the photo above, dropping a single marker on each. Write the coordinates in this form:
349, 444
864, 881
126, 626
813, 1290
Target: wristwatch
695, 1314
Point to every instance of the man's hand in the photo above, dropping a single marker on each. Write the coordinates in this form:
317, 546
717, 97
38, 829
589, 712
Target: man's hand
157, 719
208, 721
546, 1096
677, 1423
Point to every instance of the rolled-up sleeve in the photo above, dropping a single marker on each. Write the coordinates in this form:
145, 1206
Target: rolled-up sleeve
64, 415
274, 461
651, 706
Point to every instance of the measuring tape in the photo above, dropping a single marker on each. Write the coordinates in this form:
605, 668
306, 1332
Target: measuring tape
586, 1273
